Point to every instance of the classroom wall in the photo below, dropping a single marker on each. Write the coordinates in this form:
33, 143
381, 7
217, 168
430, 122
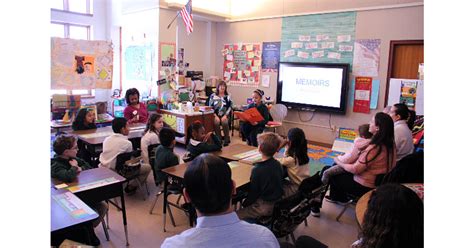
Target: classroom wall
198, 47
385, 24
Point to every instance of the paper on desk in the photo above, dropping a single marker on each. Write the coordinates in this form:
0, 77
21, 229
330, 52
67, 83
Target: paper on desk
60, 186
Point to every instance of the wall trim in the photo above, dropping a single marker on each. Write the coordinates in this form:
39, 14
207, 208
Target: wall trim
396, 6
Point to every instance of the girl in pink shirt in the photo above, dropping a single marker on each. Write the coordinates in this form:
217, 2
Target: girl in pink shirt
135, 112
378, 158
360, 143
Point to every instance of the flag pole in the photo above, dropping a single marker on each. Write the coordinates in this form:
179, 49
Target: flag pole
176, 51
169, 25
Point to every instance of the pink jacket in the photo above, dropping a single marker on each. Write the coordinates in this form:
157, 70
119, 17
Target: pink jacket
365, 174
359, 145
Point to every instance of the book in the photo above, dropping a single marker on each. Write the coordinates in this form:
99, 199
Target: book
342, 145
250, 115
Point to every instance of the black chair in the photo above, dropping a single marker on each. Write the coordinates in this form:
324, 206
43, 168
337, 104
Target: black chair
290, 212
130, 169
354, 198
409, 169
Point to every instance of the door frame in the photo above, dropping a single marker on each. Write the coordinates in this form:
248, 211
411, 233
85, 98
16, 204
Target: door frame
394, 43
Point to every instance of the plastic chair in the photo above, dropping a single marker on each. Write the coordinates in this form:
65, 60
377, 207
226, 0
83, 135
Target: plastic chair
130, 170
278, 113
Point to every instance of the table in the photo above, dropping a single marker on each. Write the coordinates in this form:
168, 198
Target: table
363, 201
96, 185
180, 121
93, 138
240, 174
228, 152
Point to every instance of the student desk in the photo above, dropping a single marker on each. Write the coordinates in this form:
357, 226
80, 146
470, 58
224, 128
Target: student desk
240, 174
363, 201
68, 213
96, 185
228, 152
180, 121
93, 138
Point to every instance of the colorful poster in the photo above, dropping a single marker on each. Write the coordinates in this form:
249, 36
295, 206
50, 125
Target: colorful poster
330, 38
363, 86
243, 67
167, 65
81, 64
366, 58
374, 95
270, 56
408, 93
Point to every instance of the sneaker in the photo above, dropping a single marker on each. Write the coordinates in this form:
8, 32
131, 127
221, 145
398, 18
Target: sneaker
316, 212
329, 199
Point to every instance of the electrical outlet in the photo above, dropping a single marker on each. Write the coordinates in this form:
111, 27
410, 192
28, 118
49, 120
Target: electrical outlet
334, 128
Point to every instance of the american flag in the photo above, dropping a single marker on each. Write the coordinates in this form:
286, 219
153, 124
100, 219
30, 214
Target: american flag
187, 15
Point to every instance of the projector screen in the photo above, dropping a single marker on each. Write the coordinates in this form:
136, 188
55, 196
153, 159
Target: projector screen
313, 86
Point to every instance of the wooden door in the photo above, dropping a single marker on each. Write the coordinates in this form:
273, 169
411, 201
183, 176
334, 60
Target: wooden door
403, 61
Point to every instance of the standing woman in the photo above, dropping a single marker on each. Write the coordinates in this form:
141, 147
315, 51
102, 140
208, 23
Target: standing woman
135, 112
250, 130
403, 136
222, 105
378, 158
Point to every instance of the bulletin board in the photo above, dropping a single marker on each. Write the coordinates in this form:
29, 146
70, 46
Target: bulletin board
81, 64
242, 64
408, 91
322, 38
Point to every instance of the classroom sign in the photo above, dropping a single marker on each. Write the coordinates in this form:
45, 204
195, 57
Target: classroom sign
81, 64
323, 38
270, 56
242, 62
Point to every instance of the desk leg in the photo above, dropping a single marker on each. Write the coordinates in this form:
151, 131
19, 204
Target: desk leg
124, 216
165, 203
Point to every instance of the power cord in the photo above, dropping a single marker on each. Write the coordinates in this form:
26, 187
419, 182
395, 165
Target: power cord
310, 119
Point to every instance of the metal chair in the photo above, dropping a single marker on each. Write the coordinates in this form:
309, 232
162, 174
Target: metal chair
130, 169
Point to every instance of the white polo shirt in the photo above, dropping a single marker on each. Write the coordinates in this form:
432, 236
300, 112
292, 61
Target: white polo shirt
403, 139
114, 145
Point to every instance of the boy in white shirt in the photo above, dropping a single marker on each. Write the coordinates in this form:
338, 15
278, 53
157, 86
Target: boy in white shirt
118, 143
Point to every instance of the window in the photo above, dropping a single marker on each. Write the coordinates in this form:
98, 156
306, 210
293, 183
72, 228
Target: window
75, 6
73, 31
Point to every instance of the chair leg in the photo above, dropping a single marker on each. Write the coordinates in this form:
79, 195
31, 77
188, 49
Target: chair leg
179, 198
154, 203
305, 222
343, 210
105, 230
141, 189
171, 216
107, 216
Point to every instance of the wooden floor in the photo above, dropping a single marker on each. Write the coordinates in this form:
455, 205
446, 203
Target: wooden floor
145, 230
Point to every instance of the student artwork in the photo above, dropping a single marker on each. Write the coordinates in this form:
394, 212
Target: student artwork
167, 66
366, 57
324, 38
242, 64
363, 86
81, 64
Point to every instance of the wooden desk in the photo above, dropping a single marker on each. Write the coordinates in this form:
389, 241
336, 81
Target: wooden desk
63, 217
180, 121
110, 187
362, 203
240, 174
228, 152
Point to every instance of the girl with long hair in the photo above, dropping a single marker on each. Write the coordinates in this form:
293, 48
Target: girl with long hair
150, 135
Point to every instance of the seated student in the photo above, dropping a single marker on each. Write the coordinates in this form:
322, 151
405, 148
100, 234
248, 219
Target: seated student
250, 130
116, 144
360, 143
403, 135
296, 160
150, 135
393, 219
208, 185
84, 120
136, 111
165, 157
200, 142
266, 180
65, 166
